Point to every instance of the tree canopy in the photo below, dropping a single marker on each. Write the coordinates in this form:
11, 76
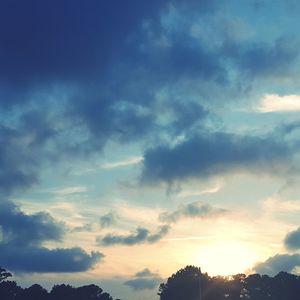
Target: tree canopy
4, 274
190, 284
9, 290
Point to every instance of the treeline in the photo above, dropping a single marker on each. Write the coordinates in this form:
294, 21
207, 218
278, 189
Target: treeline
190, 284
186, 284
9, 290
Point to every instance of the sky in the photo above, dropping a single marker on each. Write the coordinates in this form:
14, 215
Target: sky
138, 137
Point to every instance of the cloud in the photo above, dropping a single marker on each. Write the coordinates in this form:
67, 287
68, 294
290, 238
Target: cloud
21, 229
258, 59
278, 263
162, 231
142, 235
43, 260
123, 163
108, 219
145, 273
22, 236
111, 77
71, 190
21, 151
292, 240
144, 280
277, 103
84, 228
196, 209
140, 284
214, 153
86, 41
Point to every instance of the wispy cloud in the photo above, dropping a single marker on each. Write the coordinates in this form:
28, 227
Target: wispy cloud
209, 190
122, 163
70, 190
277, 103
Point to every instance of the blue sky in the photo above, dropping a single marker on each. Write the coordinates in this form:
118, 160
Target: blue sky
140, 136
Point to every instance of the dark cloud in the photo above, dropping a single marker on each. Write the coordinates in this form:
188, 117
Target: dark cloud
263, 59
278, 263
144, 280
114, 68
183, 57
192, 210
113, 83
142, 235
213, 153
162, 231
108, 219
22, 229
105, 118
292, 240
43, 260
64, 40
22, 236
22, 149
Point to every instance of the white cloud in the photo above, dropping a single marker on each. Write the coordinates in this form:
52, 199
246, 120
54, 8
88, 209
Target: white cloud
71, 190
277, 103
209, 190
123, 163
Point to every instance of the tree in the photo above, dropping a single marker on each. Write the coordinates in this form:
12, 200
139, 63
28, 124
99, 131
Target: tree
62, 292
4, 274
186, 284
88, 292
9, 290
34, 292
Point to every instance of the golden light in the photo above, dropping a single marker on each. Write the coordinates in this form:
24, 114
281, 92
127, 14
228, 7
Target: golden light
226, 258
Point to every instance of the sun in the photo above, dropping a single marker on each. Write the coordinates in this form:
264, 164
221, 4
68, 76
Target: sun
226, 258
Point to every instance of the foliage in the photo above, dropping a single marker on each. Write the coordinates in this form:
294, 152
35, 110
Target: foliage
9, 290
190, 284
4, 274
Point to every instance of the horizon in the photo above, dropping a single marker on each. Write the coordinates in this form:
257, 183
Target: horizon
138, 137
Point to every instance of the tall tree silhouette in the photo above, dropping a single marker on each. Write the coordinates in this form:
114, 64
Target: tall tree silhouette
34, 292
4, 274
187, 283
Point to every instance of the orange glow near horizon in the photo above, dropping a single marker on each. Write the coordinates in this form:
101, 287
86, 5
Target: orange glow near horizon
226, 258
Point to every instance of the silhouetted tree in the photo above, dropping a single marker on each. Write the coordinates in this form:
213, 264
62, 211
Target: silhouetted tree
186, 284
9, 290
235, 289
62, 291
105, 296
88, 292
34, 292
4, 274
